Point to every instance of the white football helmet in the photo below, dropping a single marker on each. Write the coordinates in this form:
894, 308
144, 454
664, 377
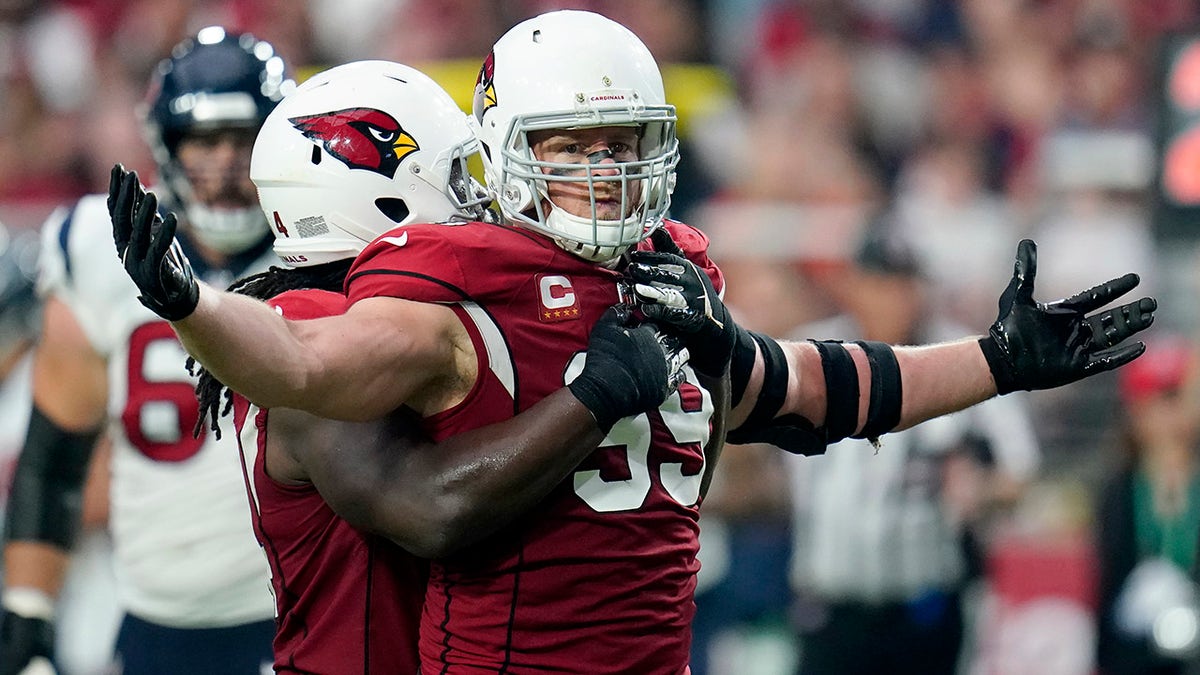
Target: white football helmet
357, 150
569, 70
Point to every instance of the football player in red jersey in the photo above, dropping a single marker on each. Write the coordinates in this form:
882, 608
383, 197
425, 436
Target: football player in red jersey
469, 324
391, 149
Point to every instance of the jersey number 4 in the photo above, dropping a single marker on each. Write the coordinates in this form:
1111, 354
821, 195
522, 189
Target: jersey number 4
686, 415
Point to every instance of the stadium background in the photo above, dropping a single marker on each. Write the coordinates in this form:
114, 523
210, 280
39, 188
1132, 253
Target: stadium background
966, 124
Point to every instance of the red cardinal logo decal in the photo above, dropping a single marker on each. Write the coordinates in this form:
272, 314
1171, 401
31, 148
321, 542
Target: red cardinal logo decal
360, 138
485, 89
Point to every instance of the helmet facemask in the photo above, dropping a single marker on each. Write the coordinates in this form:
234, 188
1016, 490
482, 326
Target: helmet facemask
227, 228
642, 186
573, 71
469, 197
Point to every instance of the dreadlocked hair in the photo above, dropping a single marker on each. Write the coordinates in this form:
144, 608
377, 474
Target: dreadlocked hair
216, 399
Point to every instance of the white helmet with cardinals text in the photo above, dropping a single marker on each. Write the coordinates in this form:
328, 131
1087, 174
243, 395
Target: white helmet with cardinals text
358, 150
572, 70
215, 82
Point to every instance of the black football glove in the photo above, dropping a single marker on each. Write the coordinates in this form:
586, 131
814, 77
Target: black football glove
675, 292
21, 640
630, 368
1039, 346
147, 248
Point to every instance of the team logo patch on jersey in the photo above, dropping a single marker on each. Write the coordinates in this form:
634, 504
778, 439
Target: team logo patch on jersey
360, 138
556, 298
485, 87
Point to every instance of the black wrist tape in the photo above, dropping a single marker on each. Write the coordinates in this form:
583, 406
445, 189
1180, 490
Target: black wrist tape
792, 433
997, 361
596, 399
46, 501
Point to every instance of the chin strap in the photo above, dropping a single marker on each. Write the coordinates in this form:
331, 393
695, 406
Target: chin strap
608, 256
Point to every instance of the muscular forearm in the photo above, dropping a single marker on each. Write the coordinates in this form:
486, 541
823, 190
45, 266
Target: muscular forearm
356, 366
434, 498
485, 478
70, 387
935, 380
942, 378
248, 346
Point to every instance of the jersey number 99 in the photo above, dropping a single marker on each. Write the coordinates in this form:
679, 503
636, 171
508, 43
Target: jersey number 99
686, 416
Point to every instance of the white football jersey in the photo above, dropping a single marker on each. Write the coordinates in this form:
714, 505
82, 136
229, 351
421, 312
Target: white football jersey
186, 555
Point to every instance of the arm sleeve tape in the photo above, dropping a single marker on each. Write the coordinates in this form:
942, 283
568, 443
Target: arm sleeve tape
774, 386
887, 393
741, 365
794, 433
841, 389
46, 501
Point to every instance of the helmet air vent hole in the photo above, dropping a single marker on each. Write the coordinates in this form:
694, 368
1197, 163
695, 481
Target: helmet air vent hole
392, 207
316, 155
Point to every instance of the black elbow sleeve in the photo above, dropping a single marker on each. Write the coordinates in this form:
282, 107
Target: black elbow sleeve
46, 500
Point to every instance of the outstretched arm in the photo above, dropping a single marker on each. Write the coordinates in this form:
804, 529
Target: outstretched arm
801, 396
934, 380
381, 354
319, 366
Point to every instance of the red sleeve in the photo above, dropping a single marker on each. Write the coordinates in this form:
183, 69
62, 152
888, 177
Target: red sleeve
309, 304
418, 262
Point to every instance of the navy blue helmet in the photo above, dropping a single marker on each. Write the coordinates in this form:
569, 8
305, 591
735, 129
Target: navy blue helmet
212, 81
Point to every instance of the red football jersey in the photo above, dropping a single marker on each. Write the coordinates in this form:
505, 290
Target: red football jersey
599, 577
346, 601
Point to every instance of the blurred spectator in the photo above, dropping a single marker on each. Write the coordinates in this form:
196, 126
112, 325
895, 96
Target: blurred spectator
46, 78
673, 30
887, 539
1148, 518
428, 30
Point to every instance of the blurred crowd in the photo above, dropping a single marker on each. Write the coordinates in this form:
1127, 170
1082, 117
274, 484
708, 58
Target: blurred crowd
811, 128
